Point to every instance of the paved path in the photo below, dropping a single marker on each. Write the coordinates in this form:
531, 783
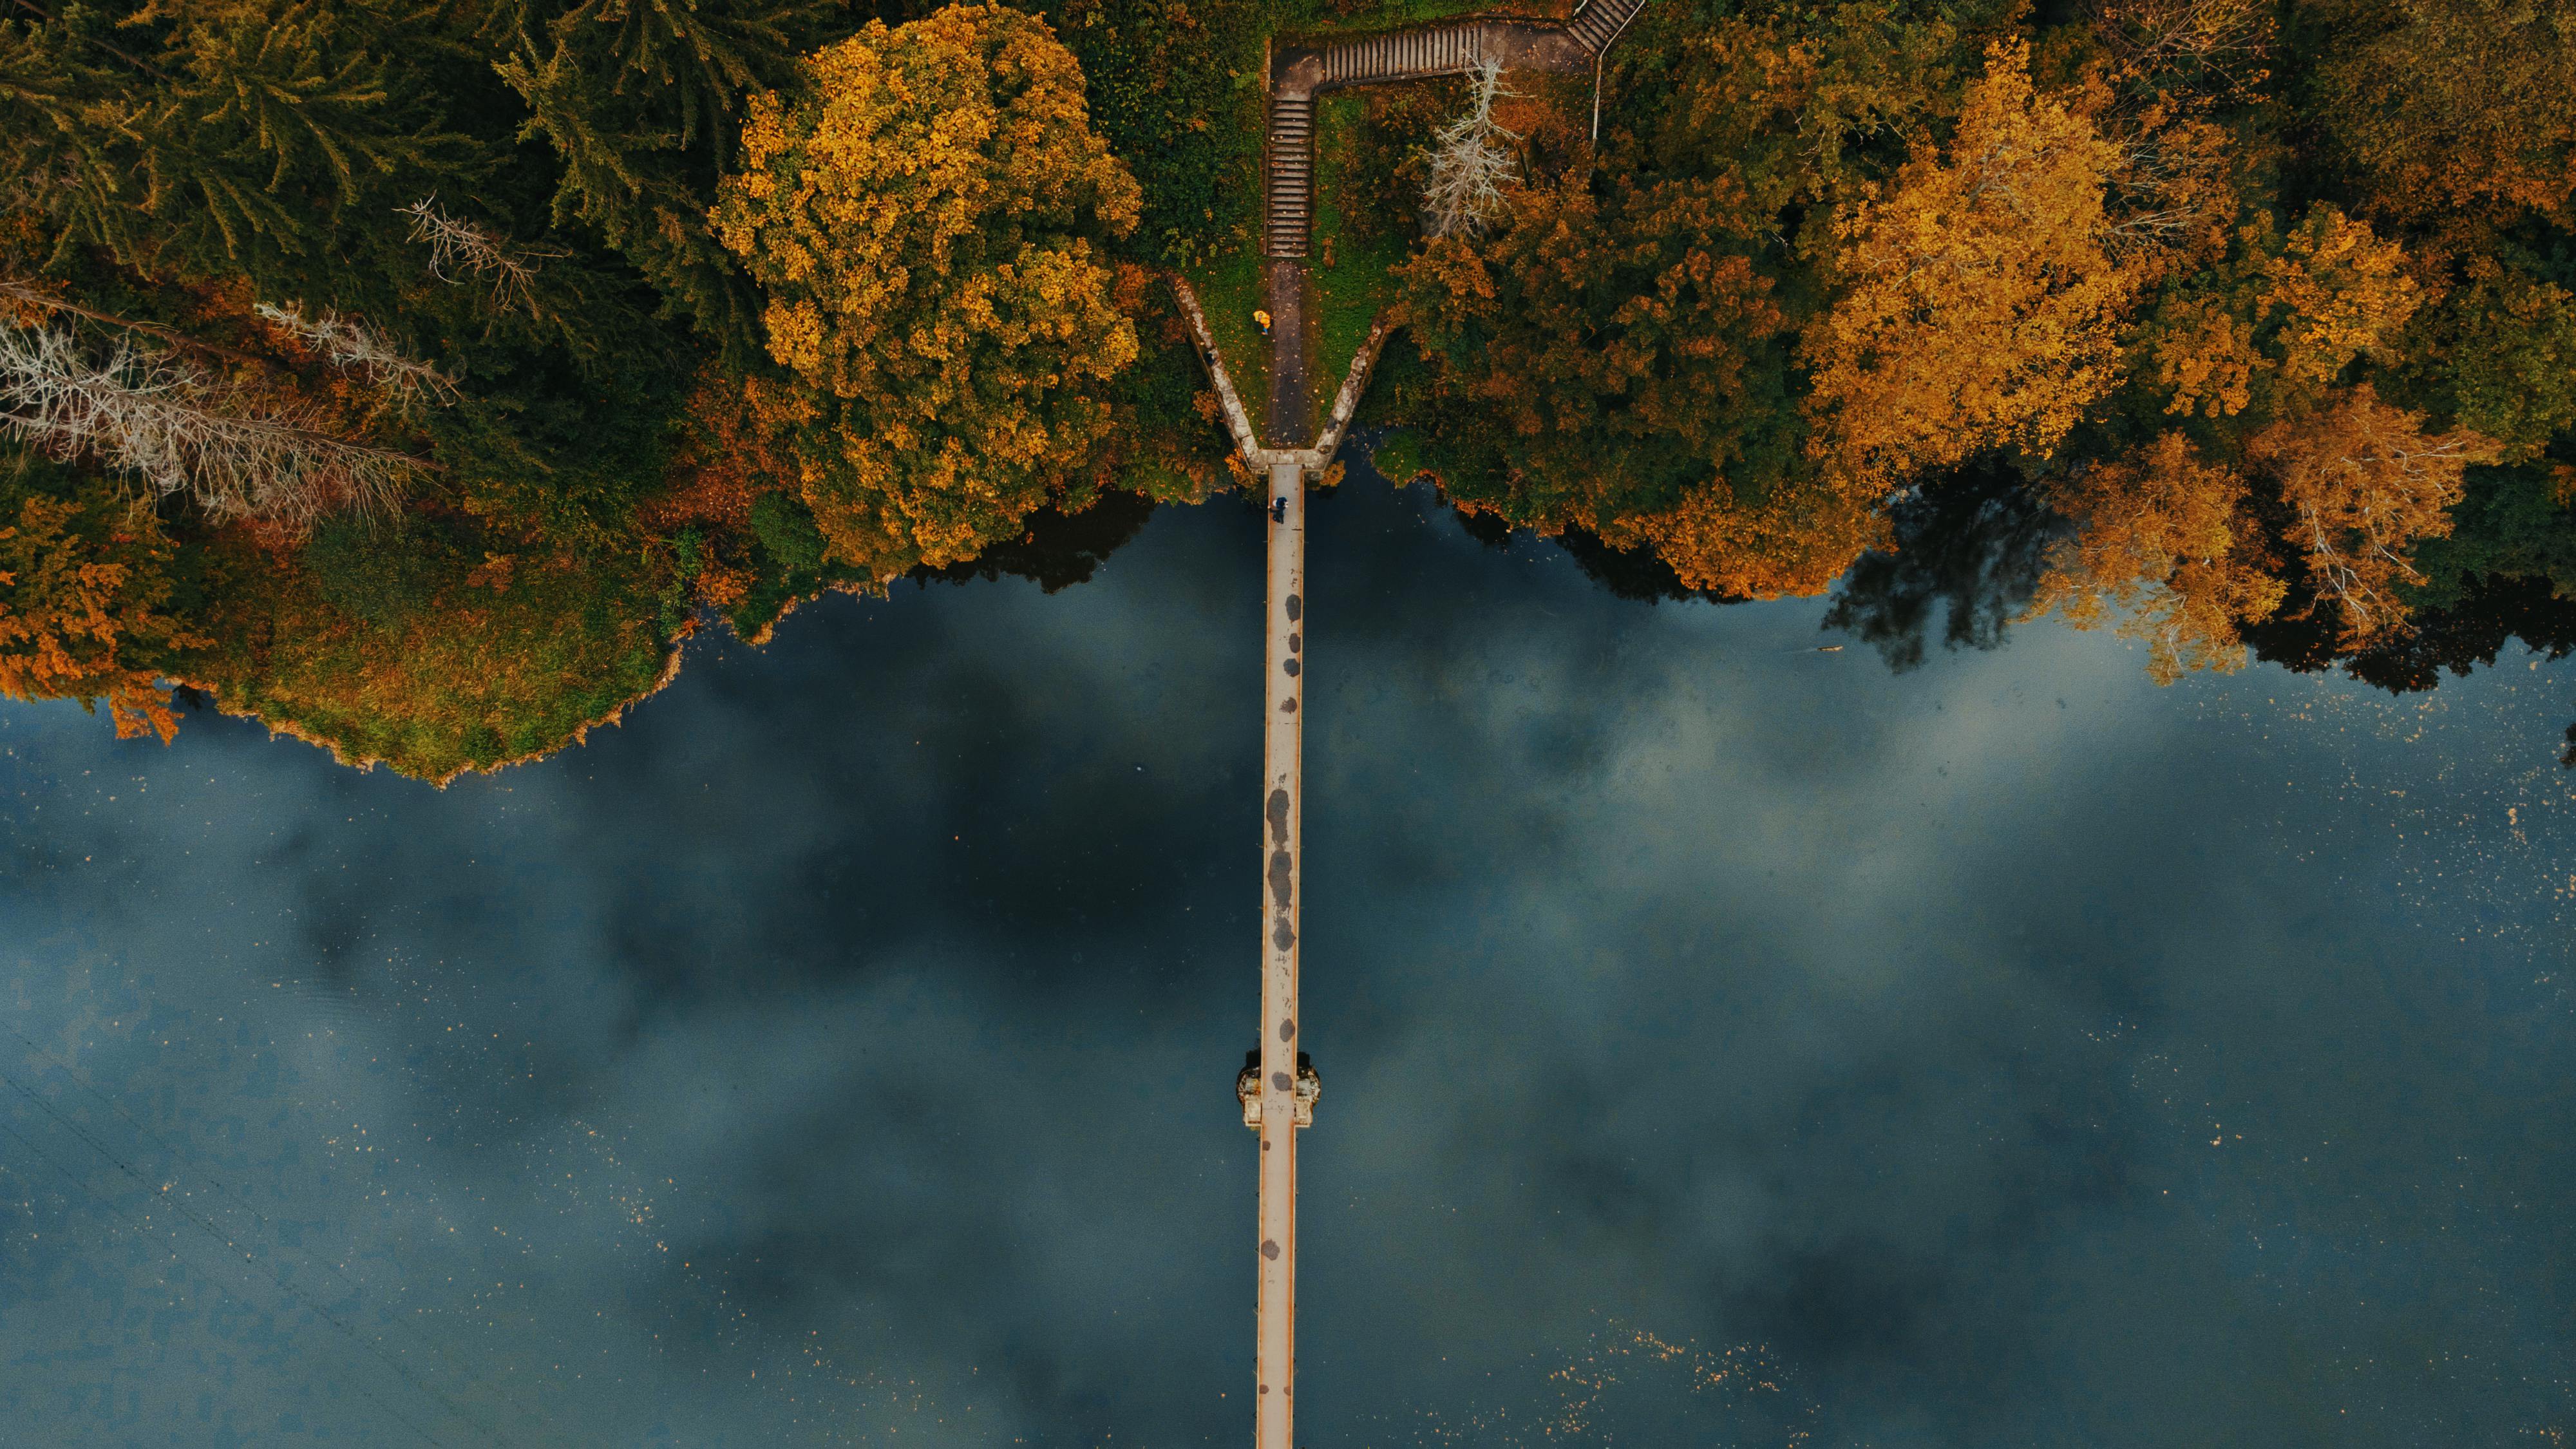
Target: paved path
1297, 73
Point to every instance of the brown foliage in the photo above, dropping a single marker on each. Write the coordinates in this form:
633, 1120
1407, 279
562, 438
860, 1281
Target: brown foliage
2363, 482
1669, 359
730, 453
1611, 343
2454, 106
82, 584
2217, 48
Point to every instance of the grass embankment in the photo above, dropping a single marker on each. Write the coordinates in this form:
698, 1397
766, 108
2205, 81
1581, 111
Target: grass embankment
418, 653
1230, 289
1349, 267
1352, 256
1400, 456
1347, 273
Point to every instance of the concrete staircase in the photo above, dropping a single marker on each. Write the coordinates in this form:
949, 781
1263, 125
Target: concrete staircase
1411, 55
1292, 172
1599, 22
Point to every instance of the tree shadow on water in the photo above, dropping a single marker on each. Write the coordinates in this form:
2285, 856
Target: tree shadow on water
1059, 549
1632, 573
1973, 542
2458, 639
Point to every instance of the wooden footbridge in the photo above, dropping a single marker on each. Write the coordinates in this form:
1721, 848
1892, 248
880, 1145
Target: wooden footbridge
1277, 1090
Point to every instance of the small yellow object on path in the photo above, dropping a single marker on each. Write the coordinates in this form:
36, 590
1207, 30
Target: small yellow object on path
1261, 319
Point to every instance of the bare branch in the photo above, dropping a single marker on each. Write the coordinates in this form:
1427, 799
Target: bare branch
460, 249
238, 451
346, 342
2222, 44
17, 290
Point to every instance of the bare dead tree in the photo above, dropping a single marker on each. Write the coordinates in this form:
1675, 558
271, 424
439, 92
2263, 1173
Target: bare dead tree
405, 382
460, 250
33, 298
239, 450
1472, 161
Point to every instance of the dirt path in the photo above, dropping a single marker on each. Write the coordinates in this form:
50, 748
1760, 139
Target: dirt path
1292, 398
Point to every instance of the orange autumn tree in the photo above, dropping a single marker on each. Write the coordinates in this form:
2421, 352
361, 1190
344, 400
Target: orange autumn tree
1620, 356
2266, 350
2278, 321
2161, 540
83, 584
1980, 303
2364, 482
923, 216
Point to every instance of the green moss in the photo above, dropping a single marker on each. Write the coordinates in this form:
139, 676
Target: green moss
1399, 456
380, 572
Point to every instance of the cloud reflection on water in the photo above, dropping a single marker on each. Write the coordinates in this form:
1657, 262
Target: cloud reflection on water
2003, 1052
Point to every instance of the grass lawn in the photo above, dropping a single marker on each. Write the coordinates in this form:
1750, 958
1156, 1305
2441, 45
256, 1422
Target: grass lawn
448, 675
1350, 281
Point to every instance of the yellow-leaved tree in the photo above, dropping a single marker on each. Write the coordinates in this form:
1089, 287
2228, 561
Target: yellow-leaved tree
1980, 302
922, 215
2162, 541
2287, 315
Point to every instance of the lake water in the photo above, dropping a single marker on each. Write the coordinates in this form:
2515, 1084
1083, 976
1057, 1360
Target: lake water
1723, 1041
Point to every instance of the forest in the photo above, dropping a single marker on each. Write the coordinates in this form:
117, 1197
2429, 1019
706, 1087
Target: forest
415, 378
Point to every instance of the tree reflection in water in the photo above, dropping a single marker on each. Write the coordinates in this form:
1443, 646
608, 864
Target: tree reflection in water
1974, 542
1058, 549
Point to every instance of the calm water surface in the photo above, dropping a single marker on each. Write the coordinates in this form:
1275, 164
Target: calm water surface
1723, 1041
